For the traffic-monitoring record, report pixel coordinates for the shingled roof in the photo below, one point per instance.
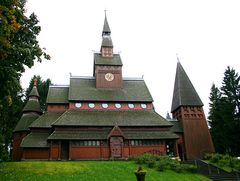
(177, 127)
(57, 94)
(46, 120)
(32, 106)
(78, 135)
(34, 92)
(82, 89)
(184, 93)
(35, 140)
(101, 135)
(75, 117)
(106, 28)
(150, 135)
(100, 60)
(25, 121)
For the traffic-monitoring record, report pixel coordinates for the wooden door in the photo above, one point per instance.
(64, 150)
(116, 147)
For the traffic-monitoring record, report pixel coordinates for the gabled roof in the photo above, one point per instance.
(35, 140)
(32, 106)
(25, 121)
(57, 95)
(184, 93)
(100, 60)
(74, 117)
(46, 120)
(34, 92)
(82, 89)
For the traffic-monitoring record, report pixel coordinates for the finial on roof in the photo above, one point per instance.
(177, 58)
(35, 82)
(168, 116)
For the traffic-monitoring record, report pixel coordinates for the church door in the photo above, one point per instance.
(64, 150)
(116, 147)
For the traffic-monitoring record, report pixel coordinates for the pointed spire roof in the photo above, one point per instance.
(106, 28)
(184, 94)
(33, 103)
(34, 91)
(106, 38)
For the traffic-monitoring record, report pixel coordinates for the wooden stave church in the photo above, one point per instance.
(107, 116)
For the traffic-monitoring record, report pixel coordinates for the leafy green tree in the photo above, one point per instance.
(224, 114)
(19, 48)
(42, 86)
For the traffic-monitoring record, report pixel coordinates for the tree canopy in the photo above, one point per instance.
(224, 114)
(19, 48)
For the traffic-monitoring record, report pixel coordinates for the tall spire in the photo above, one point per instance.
(106, 28)
(107, 45)
(184, 93)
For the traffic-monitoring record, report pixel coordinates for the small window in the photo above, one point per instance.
(78, 105)
(131, 106)
(91, 105)
(118, 106)
(105, 106)
(132, 142)
(144, 106)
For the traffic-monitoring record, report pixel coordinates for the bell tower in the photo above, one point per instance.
(187, 108)
(107, 65)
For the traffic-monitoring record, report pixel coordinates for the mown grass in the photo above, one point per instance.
(85, 171)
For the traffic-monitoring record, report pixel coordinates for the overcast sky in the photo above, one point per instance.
(148, 34)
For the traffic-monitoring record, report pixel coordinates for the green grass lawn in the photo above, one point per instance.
(85, 171)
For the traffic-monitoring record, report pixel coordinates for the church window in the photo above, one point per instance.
(132, 142)
(91, 105)
(131, 106)
(144, 106)
(118, 105)
(78, 105)
(105, 105)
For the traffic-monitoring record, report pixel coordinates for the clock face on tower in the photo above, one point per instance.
(109, 76)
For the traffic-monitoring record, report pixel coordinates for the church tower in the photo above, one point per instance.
(187, 108)
(107, 65)
(31, 112)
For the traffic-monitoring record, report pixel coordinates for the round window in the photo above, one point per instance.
(131, 106)
(105, 105)
(144, 106)
(91, 105)
(118, 105)
(78, 105)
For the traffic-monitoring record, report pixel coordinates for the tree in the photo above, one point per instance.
(19, 48)
(224, 114)
(42, 86)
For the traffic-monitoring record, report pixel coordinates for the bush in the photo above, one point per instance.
(162, 163)
(223, 161)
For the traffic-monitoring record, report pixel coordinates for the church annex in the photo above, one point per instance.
(108, 116)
